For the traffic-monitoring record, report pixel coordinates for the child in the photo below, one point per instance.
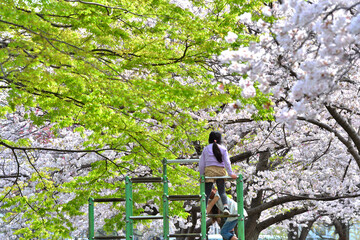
(227, 230)
(213, 162)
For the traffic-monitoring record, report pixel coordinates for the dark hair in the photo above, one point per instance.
(215, 139)
(215, 210)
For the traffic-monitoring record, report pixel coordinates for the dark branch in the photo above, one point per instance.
(281, 217)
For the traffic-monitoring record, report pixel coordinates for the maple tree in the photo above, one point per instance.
(96, 91)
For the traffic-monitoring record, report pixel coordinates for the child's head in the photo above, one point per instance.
(215, 137)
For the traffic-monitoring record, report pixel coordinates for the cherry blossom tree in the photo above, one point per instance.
(308, 60)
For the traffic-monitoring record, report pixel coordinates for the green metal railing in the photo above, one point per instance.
(203, 207)
(91, 217)
(240, 202)
(129, 218)
(129, 228)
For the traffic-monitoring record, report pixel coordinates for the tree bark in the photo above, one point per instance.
(305, 231)
(342, 229)
(293, 232)
(252, 230)
(253, 236)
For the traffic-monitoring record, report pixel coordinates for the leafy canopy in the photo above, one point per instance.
(126, 74)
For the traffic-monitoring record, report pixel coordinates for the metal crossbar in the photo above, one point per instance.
(109, 199)
(146, 179)
(182, 160)
(145, 217)
(222, 177)
(222, 215)
(185, 235)
(183, 197)
(110, 237)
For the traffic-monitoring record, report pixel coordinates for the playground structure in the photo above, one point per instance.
(129, 218)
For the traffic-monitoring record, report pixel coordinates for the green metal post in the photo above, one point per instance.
(203, 207)
(128, 209)
(91, 219)
(164, 161)
(165, 202)
(240, 205)
(166, 209)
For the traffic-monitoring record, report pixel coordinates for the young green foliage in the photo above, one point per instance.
(128, 72)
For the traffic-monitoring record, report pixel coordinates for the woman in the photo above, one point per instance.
(214, 161)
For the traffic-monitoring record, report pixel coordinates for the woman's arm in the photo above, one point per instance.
(227, 163)
(211, 204)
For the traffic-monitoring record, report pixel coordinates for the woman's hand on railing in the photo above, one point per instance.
(233, 176)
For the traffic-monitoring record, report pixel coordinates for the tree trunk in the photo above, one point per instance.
(305, 231)
(293, 232)
(252, 231)
(254, 235)
(342, 229)
(251, 228)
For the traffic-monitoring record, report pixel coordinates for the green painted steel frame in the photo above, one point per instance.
(203, 207)
(165, 202)
(91, 219)
(128, 209)
(129, 206)
(240, 205)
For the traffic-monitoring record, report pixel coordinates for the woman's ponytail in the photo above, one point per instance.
(215, 139)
